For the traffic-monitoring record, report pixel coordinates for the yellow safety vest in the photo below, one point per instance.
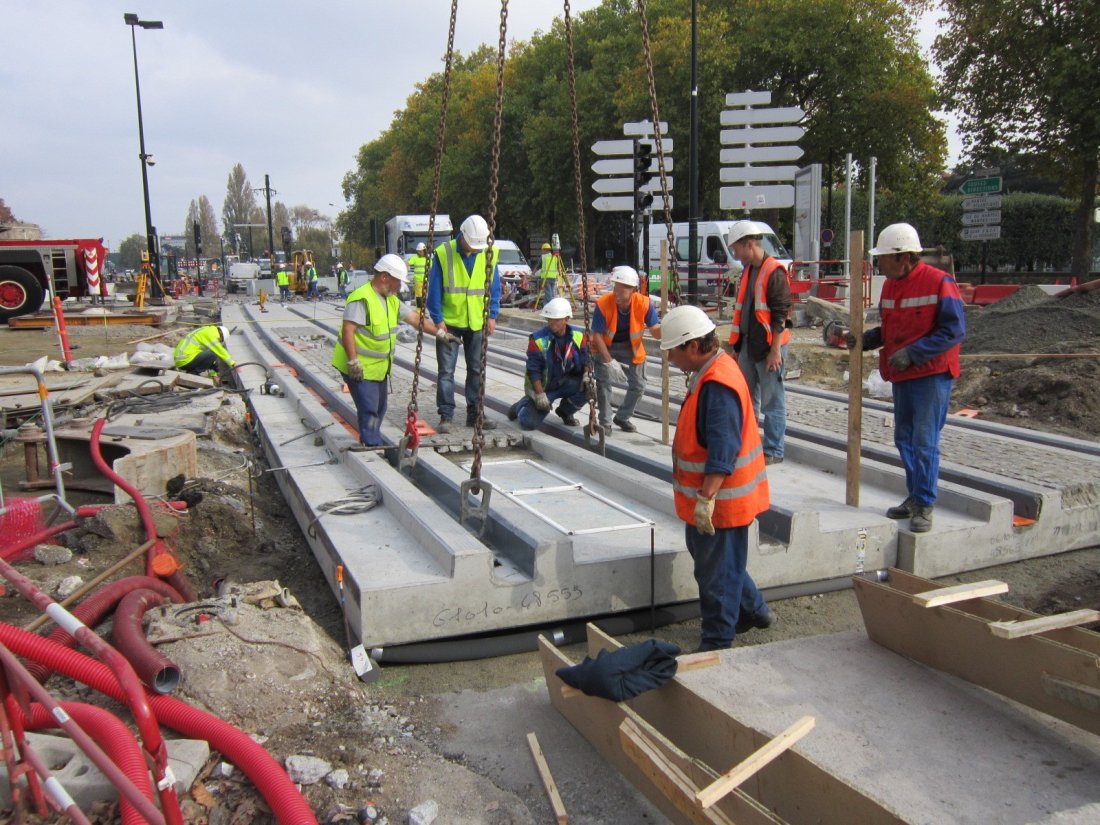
(550, 267)
(418, 266)
(203, 338)
(464, 292)
(374, 342)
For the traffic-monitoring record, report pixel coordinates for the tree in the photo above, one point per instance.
(129, 252)
(202, 212)
(239, 205)
(1023, 77)
(6, 215)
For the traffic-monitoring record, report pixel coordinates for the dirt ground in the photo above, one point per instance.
(281, 673)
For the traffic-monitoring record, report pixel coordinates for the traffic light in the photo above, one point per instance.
(198, 239)
(643, 174)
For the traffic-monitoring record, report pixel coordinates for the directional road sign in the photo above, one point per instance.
(744, 117)
(984, 218)
(760, 154)
(625, 203)
(736, 174)
(767, 134)
(748, 98)
(643, 128)
(981, 186)
(613, 186)
(983, 202)
(775, 196)
(626, 146)
(980, 233)
(625, 166)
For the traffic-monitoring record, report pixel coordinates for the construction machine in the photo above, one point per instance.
(299, 284)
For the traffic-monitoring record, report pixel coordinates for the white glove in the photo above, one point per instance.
(355, 370)
(542, 402)
(704, 510)
(616, 371)
(446, 337)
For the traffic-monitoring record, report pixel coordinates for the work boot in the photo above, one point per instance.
(626, 425)
(773, 459)
(761, 620)
(921, 520)
(903, 510)
(444, 426)
(607, 429)
(513, 411)
(566, 418)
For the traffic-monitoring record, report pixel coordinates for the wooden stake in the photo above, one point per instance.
(664, 355)
(547, 780)
(959, 593)
(769, 753)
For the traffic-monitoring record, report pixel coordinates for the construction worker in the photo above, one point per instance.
(549, 272)
(342, 280)
(760, 331)
(282, 279)
(203, 350)
(457, 283)
(309, 271)
(369, 330)
(719, 481)
(418, 268)
(620, 318)
(923, 327)
(556, 357)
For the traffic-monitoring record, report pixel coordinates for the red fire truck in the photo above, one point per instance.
(31, 270)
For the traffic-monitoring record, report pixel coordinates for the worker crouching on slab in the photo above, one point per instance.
(923, 326)
(203, 350)
(369, 330)
(556, 358)
(719, 480)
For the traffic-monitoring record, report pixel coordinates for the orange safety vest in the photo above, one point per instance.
(761, 309)
(744, 493)
(639, 306)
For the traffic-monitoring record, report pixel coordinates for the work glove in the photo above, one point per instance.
(704, 510)
(616, 371)
(542, 402)
(446, 337)
(850, 340)
(900, 360)
(355, 371)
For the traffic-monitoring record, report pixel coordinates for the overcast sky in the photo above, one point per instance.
(287, 89)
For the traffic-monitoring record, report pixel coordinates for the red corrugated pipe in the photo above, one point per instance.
(156, 670)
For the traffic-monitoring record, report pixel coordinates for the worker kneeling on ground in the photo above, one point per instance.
(620, 319)
(369, 330)
(203, 350)
(719, 481)
(557, 355)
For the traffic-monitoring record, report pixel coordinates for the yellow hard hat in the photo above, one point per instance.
(546, 247)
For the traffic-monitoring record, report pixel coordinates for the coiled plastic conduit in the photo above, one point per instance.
(155, 670)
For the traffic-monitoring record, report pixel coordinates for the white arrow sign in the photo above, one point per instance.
(759, 154)
(986, 218)
(767, 134)
(981, 233)
(748, 98)
(613, 186)
(744, 117)
(643, 128)
(625, 203)
(626, 147)
(983, 202)
(625, 166)
(776, 196)
(736, 174)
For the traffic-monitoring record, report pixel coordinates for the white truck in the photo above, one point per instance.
(404, 232)
(240, 274)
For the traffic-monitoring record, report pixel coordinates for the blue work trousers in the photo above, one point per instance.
(549, 290)
(572, 399)
(635, 386)
(371, 400)
(920, 411)
(725, 586)
(446, 356)
(768, 397)
(284, 292)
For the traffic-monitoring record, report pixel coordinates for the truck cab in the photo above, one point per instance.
(404, 232)
(31, 269)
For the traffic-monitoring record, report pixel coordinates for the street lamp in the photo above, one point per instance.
(155, 290)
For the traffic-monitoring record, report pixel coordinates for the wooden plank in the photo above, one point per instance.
(1081, 695)
(735, 776)
(1044, 624)
(959, 593)
(794, 789)
(959, 642)
(547, 780)
(666, 776)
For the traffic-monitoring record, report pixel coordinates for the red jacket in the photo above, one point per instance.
(913, 311)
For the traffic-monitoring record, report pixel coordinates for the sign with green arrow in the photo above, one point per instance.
(981, 186)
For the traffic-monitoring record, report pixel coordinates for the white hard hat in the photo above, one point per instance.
(393, 265)
(744, 229)
(557, 308)
(420, 247)
(682, 324)
(625, 275)
(225, 333)
(897, 237)
(476, 232)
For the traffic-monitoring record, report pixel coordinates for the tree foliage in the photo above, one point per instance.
(1023, 77)
(239, 204)
(129, 252)
(202, 212)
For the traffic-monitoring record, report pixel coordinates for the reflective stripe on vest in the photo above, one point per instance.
(639, 307)
(909, 308)
(463, 291)
(374, 341)
(203, 338)
(744, 493)
(549, 266)
(418, 268)
(543, 342)
(761, 310)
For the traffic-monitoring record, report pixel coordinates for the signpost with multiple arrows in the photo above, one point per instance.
(981, 217)
(758, 144)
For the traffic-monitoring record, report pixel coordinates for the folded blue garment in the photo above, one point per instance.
(624, 673)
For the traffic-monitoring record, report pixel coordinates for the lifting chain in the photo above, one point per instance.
(592, 427)
(411, 439)
(674, 287)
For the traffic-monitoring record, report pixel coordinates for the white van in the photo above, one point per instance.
(717, 263)
(514, 268)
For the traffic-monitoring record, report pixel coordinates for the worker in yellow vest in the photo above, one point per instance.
(418, 268)
(282, 279)
(203, 350)
(549, 272)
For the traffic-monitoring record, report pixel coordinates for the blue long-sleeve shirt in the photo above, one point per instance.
(561, 359)
(718, 423)
(435, 286)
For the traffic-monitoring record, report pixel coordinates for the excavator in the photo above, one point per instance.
(299, 284)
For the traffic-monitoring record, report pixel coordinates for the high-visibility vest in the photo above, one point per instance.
(342, 276)
(418, 268)
(282, 278)
(550, 266)
(744, 493)
(759, 301)
(375, 341)
(908, 308)
(311, 273)
(203, 338)
(639, 308)
(543, 340)
(464, 292)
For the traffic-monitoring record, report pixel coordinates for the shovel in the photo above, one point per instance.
(365, 667)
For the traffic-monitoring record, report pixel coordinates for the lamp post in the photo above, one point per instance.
(156, 289)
